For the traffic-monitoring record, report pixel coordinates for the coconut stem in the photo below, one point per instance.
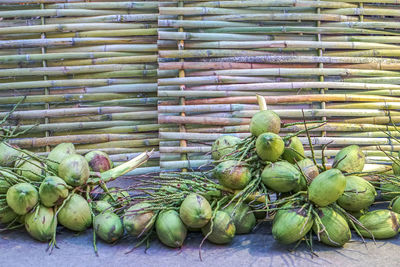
(122, 169)
(261, 102)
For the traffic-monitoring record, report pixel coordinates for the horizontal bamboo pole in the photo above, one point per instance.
(273, 3)
(106, 18)
(364, 11)
(107, 5)
(362, 38)
(67, 112)
(73, 41)
(64, 70)
(59, 12)
(77, 139)
(296, 99)
(124, 143)
(291, 44)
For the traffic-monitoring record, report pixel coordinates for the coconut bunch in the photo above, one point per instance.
(303, 197)
(40, 193)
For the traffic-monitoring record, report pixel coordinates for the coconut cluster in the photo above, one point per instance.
(41, 193)
(305, 196)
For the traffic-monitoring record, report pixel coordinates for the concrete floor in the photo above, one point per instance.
(257, 249)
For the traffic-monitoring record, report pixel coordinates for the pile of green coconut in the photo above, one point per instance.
(267, 179)
(63, 189)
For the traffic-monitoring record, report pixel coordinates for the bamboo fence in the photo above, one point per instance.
(126, 76)
(336, 61)
(87, 71)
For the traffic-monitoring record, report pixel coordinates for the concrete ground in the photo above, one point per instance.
(257, 249)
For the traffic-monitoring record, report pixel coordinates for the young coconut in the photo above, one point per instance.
(74, 169)
(233, 175)
(8, 155)
(327, 187)
(395, 206)
(242, 217)
(359, 194)
(389, 190)
(98, 161)
(223, 229)
(381, 224)
(30, 169)
(291, 224)
(349, 159)
(265, 121)
(170, 229)
(101, 206)
(308, 168)
(52, 191)
(22, 197)
(7, 215)
(269, 146)
(108, 226)
(41, 224)
(5, 178)
(195, 211)
(58, 154)
(75, 215)
(223, 146)
(281, 176)
(136, 221)
(334, 230)
(294, 150)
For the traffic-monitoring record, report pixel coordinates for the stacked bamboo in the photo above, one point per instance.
(336, 61)
(87, 71)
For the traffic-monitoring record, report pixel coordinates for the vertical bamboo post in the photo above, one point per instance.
(182, 128)
(45, 77)
(321, 77)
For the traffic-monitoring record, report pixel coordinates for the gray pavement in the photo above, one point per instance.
(257, 249)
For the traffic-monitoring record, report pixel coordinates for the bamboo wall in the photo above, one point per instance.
(88, 70)
(93, 73)
(336, 60)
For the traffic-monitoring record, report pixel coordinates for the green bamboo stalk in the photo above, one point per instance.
(362, 38)
(377, 11)
(106, 18)
(106, 5)
(107, 48)
(126, 143)
(364, 25)
(59, 12)
(273, 3)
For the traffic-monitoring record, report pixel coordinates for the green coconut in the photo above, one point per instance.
(116, 194)
(327, 187)
(396, 168)
(5, 181)
(8, 155)
(75, 215)
(381, 224)
(7, 215)
(294, 150)
(170, 229)
(41, 225)
(396, 205)
(137, 220)
(108, 227)
(223, 229)
(269, 146)
(281, 176)
(265, 121)
(99, 161)
(336, 230)
(308, 168)
(195, 211)
(58, 154)
(224, 145)
(52, 191)
(231, 174)
(74, 169)
(349, 159)
(359, 194)
(242, 216)
(100, 206)
(22, 197)
(291, 224)
(30, 169)
(389, 190)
